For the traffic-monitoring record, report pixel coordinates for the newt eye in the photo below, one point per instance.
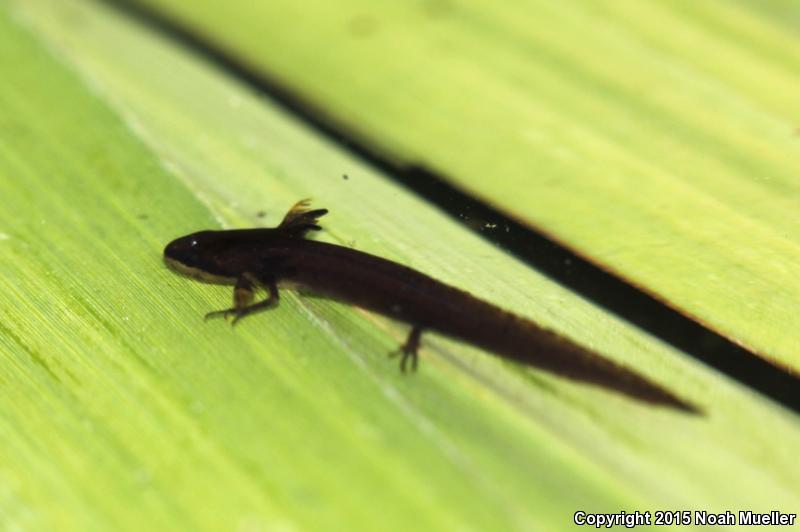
(193, 243)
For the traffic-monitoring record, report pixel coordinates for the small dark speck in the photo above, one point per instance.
(261, 214)
(142, 216)
(345, 177)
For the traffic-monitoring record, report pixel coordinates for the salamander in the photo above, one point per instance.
(264, 258)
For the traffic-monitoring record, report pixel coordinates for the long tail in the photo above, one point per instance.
(519, 339)
(563, 357)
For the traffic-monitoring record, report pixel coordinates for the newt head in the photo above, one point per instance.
(223, 256)
(196, 255)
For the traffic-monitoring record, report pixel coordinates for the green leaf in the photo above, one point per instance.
(121, 409)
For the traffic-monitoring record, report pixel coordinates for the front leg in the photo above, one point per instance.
(243, 298)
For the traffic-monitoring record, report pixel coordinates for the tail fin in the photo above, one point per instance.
(603, 372)
(551, 352)
(532, 345)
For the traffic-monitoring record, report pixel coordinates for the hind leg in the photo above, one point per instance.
(408, 350)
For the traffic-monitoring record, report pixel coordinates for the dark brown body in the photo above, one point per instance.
(267, 257)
